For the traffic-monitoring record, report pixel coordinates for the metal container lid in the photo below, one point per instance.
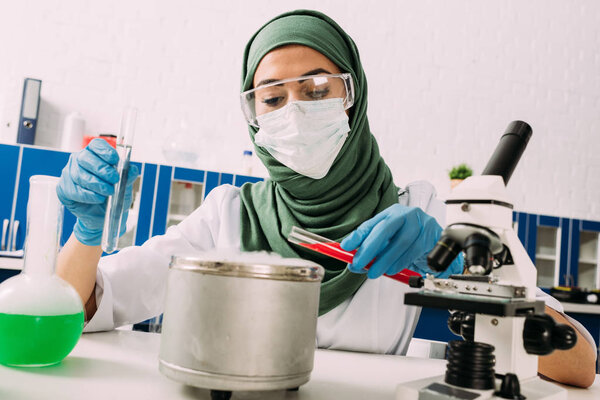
(260, 265)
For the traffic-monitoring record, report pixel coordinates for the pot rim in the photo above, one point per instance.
(307, 272)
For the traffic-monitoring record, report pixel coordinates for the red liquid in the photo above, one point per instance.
(333, 249)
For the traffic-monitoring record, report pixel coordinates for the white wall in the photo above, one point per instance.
(445, 78)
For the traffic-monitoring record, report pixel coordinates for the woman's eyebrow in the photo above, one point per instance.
(316, 71)
(311, 72)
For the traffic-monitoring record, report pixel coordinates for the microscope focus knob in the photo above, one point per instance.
(541, 335)
(563, 337)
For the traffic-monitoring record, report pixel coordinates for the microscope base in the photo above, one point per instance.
(435, 388)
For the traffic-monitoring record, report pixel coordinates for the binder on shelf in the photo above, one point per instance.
(30, 105)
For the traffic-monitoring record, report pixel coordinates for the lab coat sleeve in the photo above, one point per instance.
(131, 285)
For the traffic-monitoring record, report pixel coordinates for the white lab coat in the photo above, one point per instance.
(131, 285)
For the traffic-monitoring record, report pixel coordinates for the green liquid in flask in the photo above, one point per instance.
(30, 340)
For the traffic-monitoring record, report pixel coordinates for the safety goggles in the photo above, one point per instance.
(274, 95)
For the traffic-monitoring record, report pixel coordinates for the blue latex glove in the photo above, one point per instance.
(398, 237)
(86, 182)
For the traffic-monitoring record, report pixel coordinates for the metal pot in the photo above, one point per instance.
(236, 324)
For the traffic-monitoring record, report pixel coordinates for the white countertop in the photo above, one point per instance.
(6, 262)
(123, 365)
(581, 308)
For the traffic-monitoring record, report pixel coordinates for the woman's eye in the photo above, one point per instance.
(318, 94)
(272, 101)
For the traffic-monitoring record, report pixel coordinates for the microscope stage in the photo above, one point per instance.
(502, 307)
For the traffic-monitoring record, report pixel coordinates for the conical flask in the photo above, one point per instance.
(41, 315)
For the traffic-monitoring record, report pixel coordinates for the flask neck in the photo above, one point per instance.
(44, 226)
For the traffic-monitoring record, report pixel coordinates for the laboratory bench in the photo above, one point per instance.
(566, 251)
(124, 365)
(580, 308)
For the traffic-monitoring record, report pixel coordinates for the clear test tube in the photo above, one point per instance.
(319, 244)
(333, 249)
(116, 203)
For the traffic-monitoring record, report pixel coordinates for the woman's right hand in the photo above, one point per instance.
(86, 182)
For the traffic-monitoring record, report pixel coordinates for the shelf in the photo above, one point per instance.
(11, 263)
(177, 217)
(12, 254)
(545, 257)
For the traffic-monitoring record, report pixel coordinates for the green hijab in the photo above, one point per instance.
(358, 185)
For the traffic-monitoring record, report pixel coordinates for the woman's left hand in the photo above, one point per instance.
(398, 237)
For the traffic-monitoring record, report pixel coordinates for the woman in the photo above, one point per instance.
(305, 99)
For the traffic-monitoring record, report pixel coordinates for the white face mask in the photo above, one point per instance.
(305, 136)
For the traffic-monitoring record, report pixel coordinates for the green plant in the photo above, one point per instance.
(460, 171)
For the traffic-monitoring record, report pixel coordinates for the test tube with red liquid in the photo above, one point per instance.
(333, 249)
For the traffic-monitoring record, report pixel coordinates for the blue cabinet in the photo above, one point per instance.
(565, 251)
(585, 256)
(184, 191)
(161, 203)
(155, 193)
(36, 161)
(18, 164)
(9, 159)
(181, 190)
(544, 245)
(169, 194)
(146, 205)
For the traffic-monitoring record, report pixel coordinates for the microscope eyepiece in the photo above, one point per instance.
(509, 150)
(442, 255)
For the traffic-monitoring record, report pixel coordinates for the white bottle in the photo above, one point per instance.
(73, 130)
(247, 163)
(187, 199)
